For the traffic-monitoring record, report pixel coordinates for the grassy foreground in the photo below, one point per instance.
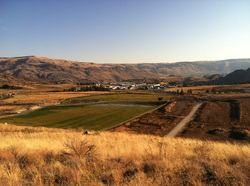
(85, 116)
(41, 156)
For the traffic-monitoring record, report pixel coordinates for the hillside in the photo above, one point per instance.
(67, 71)
(20, 81)
(57, 70)
(41, 156)
(237, 76)
(199, 68)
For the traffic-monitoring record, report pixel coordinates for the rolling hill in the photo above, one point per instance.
(237, 76)
(195, 69)
(58, 70)
(34, 67)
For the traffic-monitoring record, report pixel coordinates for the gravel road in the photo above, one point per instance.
(183, 122)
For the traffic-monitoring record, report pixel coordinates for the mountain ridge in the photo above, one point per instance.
(60, 70)
(237, 76)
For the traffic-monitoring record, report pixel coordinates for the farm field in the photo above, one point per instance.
(124, 97)
(78, 116)
(74, 116)
(221, 90)
(45, 98)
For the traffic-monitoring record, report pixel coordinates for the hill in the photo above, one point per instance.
(20, 81)
(199, 68)
(66, 71)
(237, 76)
(40, 156)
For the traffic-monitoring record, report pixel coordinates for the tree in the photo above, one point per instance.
(160, 98)
(5, 86)
(172, 83)
(181, 93)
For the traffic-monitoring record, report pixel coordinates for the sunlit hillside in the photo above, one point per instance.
(42, 156)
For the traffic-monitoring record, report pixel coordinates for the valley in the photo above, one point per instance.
(222, 116)
(124, 93)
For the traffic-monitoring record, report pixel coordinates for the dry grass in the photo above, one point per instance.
(193, 88)
(41, 156)
(231, 95)
(8, 108)
(46, 98)
(219, 88)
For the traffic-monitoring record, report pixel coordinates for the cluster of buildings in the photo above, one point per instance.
(134, 86)
(8, 95)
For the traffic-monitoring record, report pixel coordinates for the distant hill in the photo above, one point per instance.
(237, 76)
(195, 69)
(59, 70)
(68, 71)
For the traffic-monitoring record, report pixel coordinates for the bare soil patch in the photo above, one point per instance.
(221, 121)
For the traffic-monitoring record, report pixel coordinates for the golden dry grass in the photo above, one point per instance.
(226, 95)
(11, 108)
(192, 88)
(41, 156)
(46, 98)
(220, 89)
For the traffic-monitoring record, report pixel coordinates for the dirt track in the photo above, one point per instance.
(183, 122)
(221, 120)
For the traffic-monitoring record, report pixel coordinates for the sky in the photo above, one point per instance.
(126, 31)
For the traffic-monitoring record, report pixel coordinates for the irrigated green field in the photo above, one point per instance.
(127, 97)
(85, 116)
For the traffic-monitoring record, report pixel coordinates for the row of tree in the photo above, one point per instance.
(6, 86)
(88, 88)
(189, 91)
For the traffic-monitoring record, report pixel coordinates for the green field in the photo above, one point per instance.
(75, 116)
(123, 97)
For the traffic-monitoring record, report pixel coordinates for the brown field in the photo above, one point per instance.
(11, 108)
(232, 95)
(46, 98)
(31, 96)
(41, 156)
(221, 90)
(195, 89)
(221, 120)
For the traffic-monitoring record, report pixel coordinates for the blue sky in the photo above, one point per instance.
(126, 31)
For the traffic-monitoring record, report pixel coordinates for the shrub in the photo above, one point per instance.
(5, 86)
(160, 98)
(80, 148)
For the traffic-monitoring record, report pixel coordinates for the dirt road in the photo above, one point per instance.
(183, 122)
